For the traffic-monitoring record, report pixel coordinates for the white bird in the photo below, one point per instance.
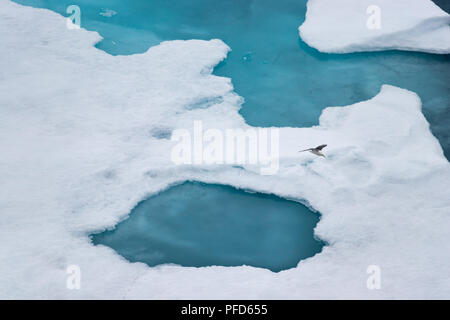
(316, 150)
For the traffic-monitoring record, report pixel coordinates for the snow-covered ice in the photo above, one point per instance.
(79, 151)
(348, 26)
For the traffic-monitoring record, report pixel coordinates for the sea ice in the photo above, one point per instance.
(371, 25)
(78, 152)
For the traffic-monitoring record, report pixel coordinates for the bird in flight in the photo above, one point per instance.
(316, 150)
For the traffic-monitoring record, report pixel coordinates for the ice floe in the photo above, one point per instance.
(84, 138)
(371, 25)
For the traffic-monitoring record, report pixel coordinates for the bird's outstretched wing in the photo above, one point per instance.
(321, 147)
(310, 149)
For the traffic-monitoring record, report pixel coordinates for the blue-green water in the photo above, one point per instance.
(284, 83)
(194, 224)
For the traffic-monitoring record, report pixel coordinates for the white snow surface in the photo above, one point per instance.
(78, 152)
(340, 26)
